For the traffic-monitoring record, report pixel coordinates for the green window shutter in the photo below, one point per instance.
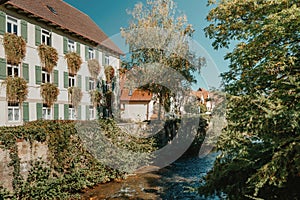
(87, 112)
(56, 111)
(55, 73)
(37, 35)
(26, 72)
(65, 45)
(2, 22)
(79, 84)
(39, 110)
(97, 55)
(66, 111)
(79, 113)
(24, 32)
(78, 48)
(25, 111)
(103, 59)
(38, 75)
(86, 53)
(87, 83)
(66, 79)
(2, 68)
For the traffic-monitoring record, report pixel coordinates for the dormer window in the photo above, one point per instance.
(12, 25)
(52, 9)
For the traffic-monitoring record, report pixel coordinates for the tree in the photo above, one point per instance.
(158, 34)
(260, 146)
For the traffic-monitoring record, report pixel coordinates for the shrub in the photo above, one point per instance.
(16, 89)
(96, 97)
(109, 73)
(94, 68)
(75, 95)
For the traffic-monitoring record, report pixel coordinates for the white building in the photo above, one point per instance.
(65, 28)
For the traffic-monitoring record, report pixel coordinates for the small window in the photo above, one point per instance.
(13, 70)
(46, 112)
(46, 37)
(91, 84)
(12, 25)
(71, 80)
(72, 115)
(92, 112)
(13, 112)
(123, 106)
(106, 61)
(130, 93)
(71, 46)
(91, 53)
(52, 9)
(46, 77)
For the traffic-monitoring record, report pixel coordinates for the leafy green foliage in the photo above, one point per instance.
(70, 168)
(260, 146)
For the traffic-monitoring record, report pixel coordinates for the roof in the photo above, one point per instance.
(200, 93)
(59, 13)
(138, 95)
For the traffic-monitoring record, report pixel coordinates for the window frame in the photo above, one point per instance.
(106, 60)
(44, 75)
(8, 65)
(15, 110)
(47, 34)
(73, 79)
(91, 53)
(92, 112)
(48, 110)
(91, 84)
(13, 21)
(71, 43)
(72, 112)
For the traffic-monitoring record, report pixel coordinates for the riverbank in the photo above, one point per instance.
(177, 181)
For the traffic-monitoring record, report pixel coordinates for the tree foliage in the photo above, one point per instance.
(260, 146)
(158, 34)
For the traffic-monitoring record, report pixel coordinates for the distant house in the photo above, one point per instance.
(203, 97)
(63, 27)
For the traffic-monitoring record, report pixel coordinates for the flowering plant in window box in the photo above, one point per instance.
(16, 89)
(48, 56)
(15, 48)
(75, 95)
(74, 62)
(49, 93)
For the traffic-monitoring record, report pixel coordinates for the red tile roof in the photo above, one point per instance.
(137, 95)
(67, 17)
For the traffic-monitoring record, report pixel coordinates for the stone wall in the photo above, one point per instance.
(27, 152)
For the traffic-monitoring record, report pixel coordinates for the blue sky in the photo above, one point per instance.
(110, 15)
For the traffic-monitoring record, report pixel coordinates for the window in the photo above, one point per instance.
(130, 92)
(46, 37)
(91, 53)
(13, 112)
(92, 112)
(13, 70)
(46, 112)
(71, 80)
(123, 106)
(71, 46)
(12, 25)
(91, 84)
(71, 112)
(106, 61)
(45, 76)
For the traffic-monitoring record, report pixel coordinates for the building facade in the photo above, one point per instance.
(63, 27)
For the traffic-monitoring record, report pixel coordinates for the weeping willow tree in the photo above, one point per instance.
(157, 34)
(261, 145)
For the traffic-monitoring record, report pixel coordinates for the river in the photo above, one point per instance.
(176, 181)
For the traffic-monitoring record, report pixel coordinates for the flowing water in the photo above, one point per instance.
(177, 181)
